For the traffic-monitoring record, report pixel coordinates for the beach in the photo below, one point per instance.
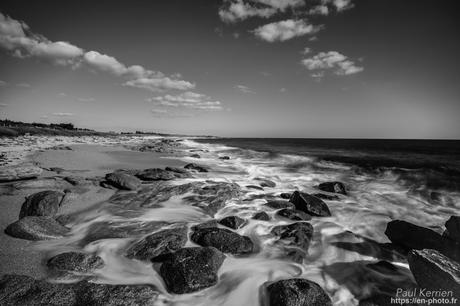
(240, 203)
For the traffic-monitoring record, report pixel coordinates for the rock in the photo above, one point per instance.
(254, 187)
(434, 271)
(295, 254)
(224, 157)
(195, 156)
(224, 240)
(265, 182)
(75, 262)
(309, 204)
(297, 234)
(234, 222)
(44, 203)
(19, 172)
(335, 187)
(191, 269)
(50, 183)
(179, 172)
(207, 224)
(196, 167)
(77, 180)
(123, 180)
(285, 195)
(293, 214)
(296, 292)
(36, 228)
(277, 204)
(159, 243)
(326, 196)
(155, 174)
(261, 216)
(58, 170)
(24, 290)
(453, 228)
(411, 236)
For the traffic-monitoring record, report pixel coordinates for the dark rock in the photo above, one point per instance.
(195, 156)
(123, 180)
(411, 236)
(234, 222)
(57, 170)
(196, 167)
(261, 216)
(296, 292)
(434, 271)
(224, 240)
(277, 204)
(254, 187)
(213, 196)
(297, 234)
(24, 290)
(453, 228)
(224, 157)
(191, 269)
(49, 183)
(295, 254)
(335, 187)
(36, 228)
(44, 203)
(285, 195)
(77, 180)
(208, 224)
(19, 172)
(155, 174)
(309, 204)
(76, 262)
(179, 172)
(265, 182)
(326, 196)
(159, 243)
(293, 214)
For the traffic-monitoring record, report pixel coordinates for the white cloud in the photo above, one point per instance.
(306, 51)
(332, 60)
(244, 89)
(3, 83)
(188, 99)
(285, 30)
(24, 85)
(86, 99)
(3, 105)
(16, 38)
(62, 114)
(319, 10)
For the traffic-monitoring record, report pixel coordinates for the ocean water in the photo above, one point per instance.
(416, 181)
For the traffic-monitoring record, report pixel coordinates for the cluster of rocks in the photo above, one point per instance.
(164, 145)
(434, 259)
(19, 172)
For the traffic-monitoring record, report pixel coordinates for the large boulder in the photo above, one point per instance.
(453, 228)
(24, 290)
(296, 234)
(309, 204)
(334, 187)
(433, 271)
(19, 172)
(75, 262)
(224, 240)
(278, 204)
(234, 222)
(296, 292)
(155, 174)
(36, 228)
(293, 214)
(191, 269)
(44, 203)
(410, 236)
(159, 243)
(123, 180)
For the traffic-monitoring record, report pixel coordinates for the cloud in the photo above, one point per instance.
(319, 10)
(189, 100)
(332, 60)
(3, 105)
(3, 83)
(62, 114)
(24, 85)
(340, 5)
(17, 39)
(244, 89)
(285, 30)
(86, 99)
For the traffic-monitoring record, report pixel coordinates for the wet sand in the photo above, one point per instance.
(21, 256)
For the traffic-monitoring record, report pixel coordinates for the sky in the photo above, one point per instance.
(237, 68)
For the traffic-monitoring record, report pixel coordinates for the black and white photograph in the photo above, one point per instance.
(229, 152)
